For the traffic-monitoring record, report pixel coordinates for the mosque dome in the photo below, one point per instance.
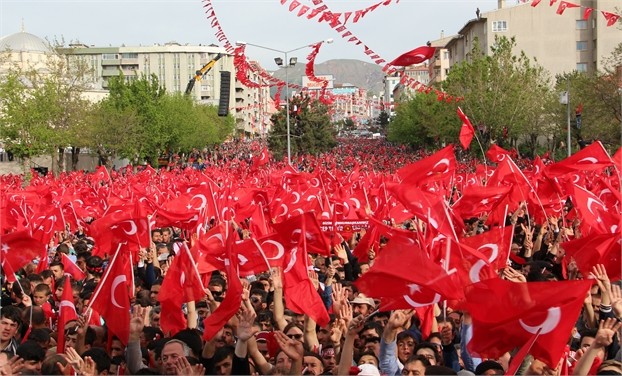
(23, 42)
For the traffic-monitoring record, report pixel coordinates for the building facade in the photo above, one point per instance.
(559, 43)
(172, 63)
(253, 106)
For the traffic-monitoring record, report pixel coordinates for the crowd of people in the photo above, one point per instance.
(267, 337)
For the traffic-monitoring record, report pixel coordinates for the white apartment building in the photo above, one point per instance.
(175, 65)
(559, 43)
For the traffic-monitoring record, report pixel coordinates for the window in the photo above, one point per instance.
(498, 26)
(581, 45)
(129, 56)
(581, 24)
(445, 55)
(110, 56)
(581, 67)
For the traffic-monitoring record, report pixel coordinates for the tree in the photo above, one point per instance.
(383, 120)
(140, 121)
(42, 107)
(599, 98)
(504, 94)
(311, 131)
(423, 121)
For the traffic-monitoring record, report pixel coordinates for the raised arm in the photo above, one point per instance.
(279, 308)
(604, 337)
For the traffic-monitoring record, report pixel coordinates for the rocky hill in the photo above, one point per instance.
(355, 72)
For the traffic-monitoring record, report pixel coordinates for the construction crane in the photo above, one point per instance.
(200, 73)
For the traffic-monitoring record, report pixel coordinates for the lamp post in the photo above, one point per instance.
(285, 63)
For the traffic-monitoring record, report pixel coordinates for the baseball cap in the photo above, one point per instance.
(362, 299)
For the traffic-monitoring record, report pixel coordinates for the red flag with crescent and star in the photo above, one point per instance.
(466, 131)
(416, 56)
(66, 313)
(507, 313)
(111, 298)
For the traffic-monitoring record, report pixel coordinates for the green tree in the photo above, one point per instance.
(43, 107)
(598, 94)
(502, 92)
(423, 121)
(140, 121)
(311, 131)
(383, 121)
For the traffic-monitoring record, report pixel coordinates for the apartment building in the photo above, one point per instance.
(175, 65)
(253, 106)
(559, 43)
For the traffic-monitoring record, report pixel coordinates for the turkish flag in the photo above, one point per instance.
(261, 160)
(251, 258)
(121, 224)
(481, 256)
(100, 175)
(477, 200)
(111, 298)
(44, 225)
(291, 232)
(562, 7)
(496, 153)
(611, 18)
(233, 298)
(466, 131)
(416, 56)
(181, 284)
(18, 249)
(591, 158)
(437, 166)
(66, 313)
(594, 213)
(596, 249)
(393, 277)
(71, 268)
(370, 240)
(300, 294)
(507, 313)
(425, 206)
(186, 211)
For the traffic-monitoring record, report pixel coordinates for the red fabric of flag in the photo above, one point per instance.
(565, 4)
(466, 131)
(596, 249)
(18, 249)
(181, 284)
(233, 298)
(71, 268)
(496, 153)
(393, 280)
(416, 56)
(437, 166)
(111, 298)
(506, 314)
(66, 313)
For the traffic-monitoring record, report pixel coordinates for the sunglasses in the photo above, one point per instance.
(216, 293)
(297, 337)
(255, 300)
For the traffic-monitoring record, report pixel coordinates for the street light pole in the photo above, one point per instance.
(289, 143)
(568, 118)
(286, 64)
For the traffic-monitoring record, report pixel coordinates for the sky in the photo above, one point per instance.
(389, 30)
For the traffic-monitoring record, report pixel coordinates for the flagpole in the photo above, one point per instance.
(105, 277)
(484, 157)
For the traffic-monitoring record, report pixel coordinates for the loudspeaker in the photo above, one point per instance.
(225, 87)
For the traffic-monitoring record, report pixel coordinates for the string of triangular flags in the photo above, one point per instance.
(215, 24)
(328, 15)
(611, 18)
(332, 18)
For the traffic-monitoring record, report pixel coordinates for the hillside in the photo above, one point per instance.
(355, 72)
